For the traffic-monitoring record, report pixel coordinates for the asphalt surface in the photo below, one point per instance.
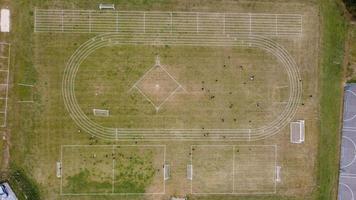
(347, 181)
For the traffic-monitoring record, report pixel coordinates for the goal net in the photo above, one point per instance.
(297, 131)
(278, 173)
(100, 112)
(167, 172)
(190, 172)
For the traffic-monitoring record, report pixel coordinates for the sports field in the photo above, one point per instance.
(166, 98)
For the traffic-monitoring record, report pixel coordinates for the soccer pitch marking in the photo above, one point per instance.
(94, 21)
(233, 171)
(6, 56)
(248, 41)
(113, 170)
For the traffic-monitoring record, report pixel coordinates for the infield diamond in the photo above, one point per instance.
(157, 85)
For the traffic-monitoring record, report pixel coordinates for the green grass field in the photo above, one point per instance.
(216, 91)
(39, 129)
(333, 39)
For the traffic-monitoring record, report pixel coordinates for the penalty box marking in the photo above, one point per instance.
(233, 170)
(113, 170)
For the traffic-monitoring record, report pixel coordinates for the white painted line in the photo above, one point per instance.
(7, 85)
(233, 169)
(62, 22)
(233, 174)
(193, 134)
(61, 186)
(197, 21)
(89, 21)
(35, 25)
(144, 22)
(250, 23)
(25, 101)
(23, 84)
(113, 170)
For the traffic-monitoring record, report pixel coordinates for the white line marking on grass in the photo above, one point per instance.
(191, 162)
(89, 21)
(234, 165)
(233, 169)
(139, 80)
(276, 24)
(250, 21)
(61, 185)
(189, 134)
(62, 16)
(25, 101)
(144, 22)
(301, 24)
(148, 99)
(197, 21)
(112, 193)
(171, 22)
(275, 164)
(23, 84)
(172, 78)
(117, 22)
(169, 96)
(290, 24)
(7, 84)
(35, 25)
(164, 162)
(113, 170)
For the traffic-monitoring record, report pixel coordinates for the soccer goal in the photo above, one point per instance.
(101, 113)
(190, 172)
(167, 172)
(297, 132)
(59, 169)
(278, 173)
(108, 6)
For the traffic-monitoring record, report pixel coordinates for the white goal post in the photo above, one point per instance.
(101, 112)
(190, 172)
(297, 132)
(167, 172)
(59, 169)
(106, 6)
(278, 173)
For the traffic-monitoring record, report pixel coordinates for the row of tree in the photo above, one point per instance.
(351, 7)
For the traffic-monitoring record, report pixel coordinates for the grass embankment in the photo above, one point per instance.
(22, 70)
(334, 28)
(24, 187)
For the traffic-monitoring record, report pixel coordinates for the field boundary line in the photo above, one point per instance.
(274, 163)
(112, 147)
